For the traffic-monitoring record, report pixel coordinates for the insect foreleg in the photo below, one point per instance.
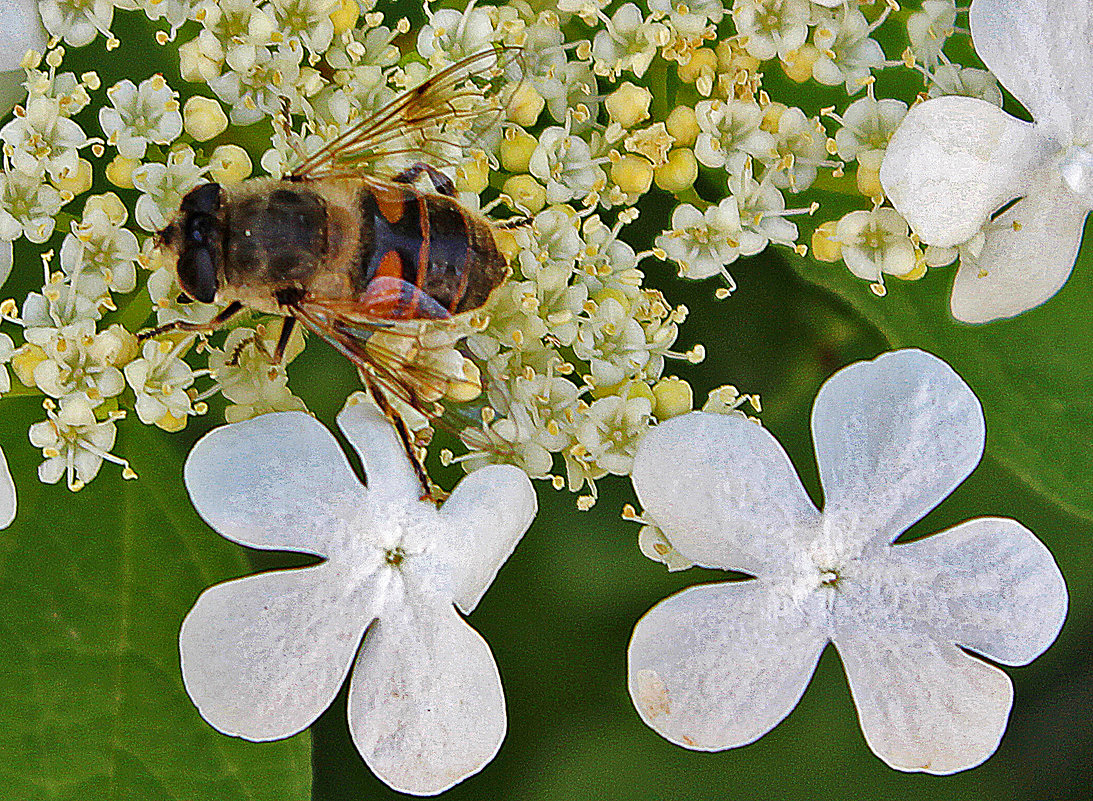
(441, 182)
(287, 325)
(225, 314)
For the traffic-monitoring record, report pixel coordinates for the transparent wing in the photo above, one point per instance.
(423, 121)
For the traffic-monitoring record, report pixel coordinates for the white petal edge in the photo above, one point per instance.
(723, 491)
(893, 438)
(387, 469)
(955, 160)
(717, 666)
(277, 481)
(995, 588)
(923, 705)
(426, 708)
(485, 517)
(1021, 268)
(1040, 51)
(7, 493)
(263, 656)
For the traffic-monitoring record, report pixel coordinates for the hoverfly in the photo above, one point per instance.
(384, 271)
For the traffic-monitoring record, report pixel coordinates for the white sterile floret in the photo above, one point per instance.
(718, 665)
(771, 27)
(7, 493)
(22, 32)
(139, 115)
(956, 160)
(702, 244)
(263, 656)
(875, 243)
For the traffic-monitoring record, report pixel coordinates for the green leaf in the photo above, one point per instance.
(93, 587)
(1032, 373)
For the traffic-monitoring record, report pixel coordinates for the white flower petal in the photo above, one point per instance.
(6, 260)
(995, 588)
(484, 518)
(426, 709)
(264, 655)
(723, 492)
(923, 705)
(7, 493)
(719, 665)
(1041, 52)
(278, 481)
(1021, 267)
(386, 468)
(893, 438)
(953, 161)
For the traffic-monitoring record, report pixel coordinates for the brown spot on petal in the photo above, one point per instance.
(652, 693)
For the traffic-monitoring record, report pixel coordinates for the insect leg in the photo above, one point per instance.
(225, 314)
(404, 433)
(287, 324)
(513, 222)
(441, 182)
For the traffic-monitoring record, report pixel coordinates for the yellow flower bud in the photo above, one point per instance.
(679, 172)
(529, 194)
(916, 272)
(771, 114)
(628, 105)
(195, 66)
(633, 174)
(703, 62)
(473, 175)
(674, 397)
(119, 172)
(229, 164)
(614, 294)
(345, 16)
(516, 149)
(526, 105)
(172, 424)
(203, 118)
(683, 125)
(23, 362)
(798, 63)
(868, 177)
(78, 182)
(824, 245)
(507, 243)
(110, 204)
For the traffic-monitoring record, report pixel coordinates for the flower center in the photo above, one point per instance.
(1077, 171)
(394, 556)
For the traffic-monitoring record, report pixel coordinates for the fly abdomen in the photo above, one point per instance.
(446, 258)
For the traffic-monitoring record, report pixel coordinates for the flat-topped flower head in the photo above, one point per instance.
(264, 655)
(718, 665)
(955, 161)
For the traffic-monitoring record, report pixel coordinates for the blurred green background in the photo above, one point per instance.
(93, 586)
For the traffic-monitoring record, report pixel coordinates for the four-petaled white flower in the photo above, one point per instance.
(718, 665)
(264, 655)
(955, 161)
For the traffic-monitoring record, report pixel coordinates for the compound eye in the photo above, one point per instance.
(197, 274)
